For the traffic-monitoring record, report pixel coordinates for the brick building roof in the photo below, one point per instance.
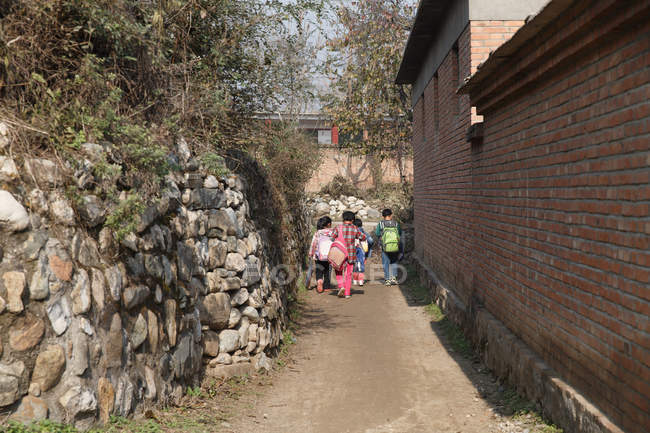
(428, 18)
(503, 54)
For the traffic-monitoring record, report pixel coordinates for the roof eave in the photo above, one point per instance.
(534, 24)
(428, 14)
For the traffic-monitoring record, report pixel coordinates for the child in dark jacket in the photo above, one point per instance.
(321, 241)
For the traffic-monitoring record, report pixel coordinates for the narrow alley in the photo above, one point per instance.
(376, 363)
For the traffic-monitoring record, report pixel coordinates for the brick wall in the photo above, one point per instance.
(356, 169)
(487, 36)
(442, 176)
(418, 121)
(442, 173)
(547, 223)
(562, 203)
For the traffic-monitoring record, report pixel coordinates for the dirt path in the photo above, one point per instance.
(383, 361)
(372, 363)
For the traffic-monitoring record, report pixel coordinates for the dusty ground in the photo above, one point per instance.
(377, 363)
(382, 361)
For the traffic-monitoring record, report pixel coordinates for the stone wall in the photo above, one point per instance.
(334, 207)
(93, 327)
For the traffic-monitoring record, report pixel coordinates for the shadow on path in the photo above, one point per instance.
(312, 317)
(501, 398)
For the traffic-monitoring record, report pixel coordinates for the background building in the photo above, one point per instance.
(336, 160)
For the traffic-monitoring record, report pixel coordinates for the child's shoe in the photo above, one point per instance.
(361, 282)
(319, 286)
(347, 296)
(341, 292)
(388, 282)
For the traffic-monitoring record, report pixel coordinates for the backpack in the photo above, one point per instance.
(324, 245)
(338, 253)
(389, 236)
(364, 245)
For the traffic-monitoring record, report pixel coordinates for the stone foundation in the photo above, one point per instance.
(510, 359)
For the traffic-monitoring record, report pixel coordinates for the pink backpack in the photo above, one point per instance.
(338, 253)
(324, 245)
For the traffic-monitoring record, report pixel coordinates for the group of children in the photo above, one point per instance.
(359, 245)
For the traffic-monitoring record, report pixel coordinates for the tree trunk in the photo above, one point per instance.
(376, 170)
(400, 163)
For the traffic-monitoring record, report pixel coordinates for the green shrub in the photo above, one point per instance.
(137, 75)
(45, 426)
(194, 392)
(291, 158)
(340, 185)
(124, 218)
(214, 164)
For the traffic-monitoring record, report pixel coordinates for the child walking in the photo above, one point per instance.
(348, 233)
(364, 249)
(320, 244)
(389, 233)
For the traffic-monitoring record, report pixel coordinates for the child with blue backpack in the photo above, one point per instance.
(320, 246)
(364, 249)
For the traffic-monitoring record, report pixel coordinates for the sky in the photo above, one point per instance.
(318, 31)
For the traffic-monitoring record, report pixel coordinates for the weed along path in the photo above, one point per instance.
(376, 363)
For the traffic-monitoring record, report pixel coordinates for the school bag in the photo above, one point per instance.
(364, 246)
(389, 236)
(359, 264)
(324, 245)
(338, 253)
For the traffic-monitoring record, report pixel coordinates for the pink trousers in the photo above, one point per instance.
(344, 278)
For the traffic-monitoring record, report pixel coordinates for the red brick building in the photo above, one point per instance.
(449, 39)
(539, 225)
(357, 168)
(337, 160)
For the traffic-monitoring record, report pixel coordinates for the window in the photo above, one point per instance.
(455, 81)
(325, 136)
(423, 118)
(436, 106)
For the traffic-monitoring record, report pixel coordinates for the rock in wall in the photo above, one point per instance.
(90, 327)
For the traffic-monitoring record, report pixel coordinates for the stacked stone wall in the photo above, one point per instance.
(92, 327)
